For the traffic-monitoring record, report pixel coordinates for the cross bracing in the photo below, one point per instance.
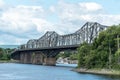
(86, 33)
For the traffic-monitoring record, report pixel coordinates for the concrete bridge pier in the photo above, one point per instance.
(25, 58)
(22, 57)
(31, 58)
(49, 61)
(39, 57)
(50, 57)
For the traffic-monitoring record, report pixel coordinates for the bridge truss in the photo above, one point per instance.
(86, 33)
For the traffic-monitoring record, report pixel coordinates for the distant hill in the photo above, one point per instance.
(9, 46)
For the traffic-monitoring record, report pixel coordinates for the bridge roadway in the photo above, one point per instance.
(44, 49)
(71, 47)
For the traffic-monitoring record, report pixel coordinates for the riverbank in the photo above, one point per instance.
(8, 61)
(98, 71)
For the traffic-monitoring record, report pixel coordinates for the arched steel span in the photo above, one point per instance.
(86, 33)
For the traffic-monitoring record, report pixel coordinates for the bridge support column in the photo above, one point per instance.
(46, 57)
(49, 57)
(25, 58)
(22, 58)
(37, 58)
(49, 61)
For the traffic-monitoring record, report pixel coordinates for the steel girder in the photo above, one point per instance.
(86, 33)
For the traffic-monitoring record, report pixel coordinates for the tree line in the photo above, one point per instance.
(103, 52)
(5, 53)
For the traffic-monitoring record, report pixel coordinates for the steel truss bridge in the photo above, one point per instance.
(51, 43)
(86, 33)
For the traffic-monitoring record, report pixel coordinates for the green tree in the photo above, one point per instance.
(103, 52)
(83, 53)
(5, 54)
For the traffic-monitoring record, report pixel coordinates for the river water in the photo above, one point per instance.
(12, 71)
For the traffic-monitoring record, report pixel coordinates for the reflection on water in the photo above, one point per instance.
(11, 71)
(66, 65)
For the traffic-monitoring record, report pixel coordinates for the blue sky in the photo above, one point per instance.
(21, 20)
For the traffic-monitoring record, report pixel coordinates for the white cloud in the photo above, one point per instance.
(72, 11)
(21, 23)
(90, 6)
(23, 13)
(9, 39)
(20, 19)
(1, 3)
(83, 12)
(42, 25)
(52, 9)
(100, 18)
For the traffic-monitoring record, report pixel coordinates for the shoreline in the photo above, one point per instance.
(8, 61)
(98, 71)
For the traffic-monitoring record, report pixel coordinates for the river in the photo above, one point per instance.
(13, 71)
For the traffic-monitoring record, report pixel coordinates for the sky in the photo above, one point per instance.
(21, 20)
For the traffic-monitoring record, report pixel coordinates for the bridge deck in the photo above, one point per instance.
(47, 48)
